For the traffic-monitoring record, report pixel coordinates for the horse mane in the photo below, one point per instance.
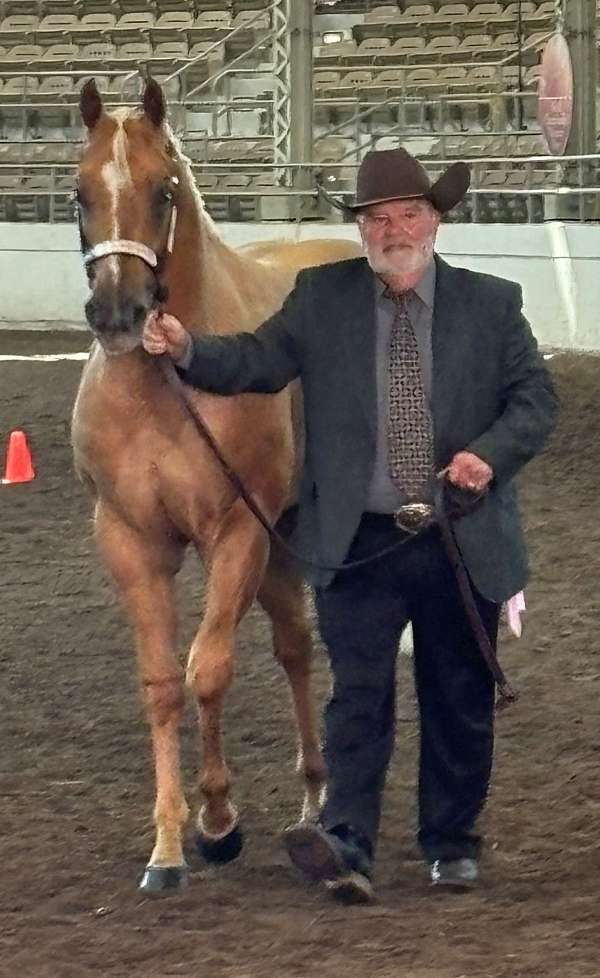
(176, 146)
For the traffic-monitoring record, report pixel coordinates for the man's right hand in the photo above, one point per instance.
(165, 334)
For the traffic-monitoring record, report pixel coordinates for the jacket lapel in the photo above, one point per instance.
(358, 330)
(447, 342)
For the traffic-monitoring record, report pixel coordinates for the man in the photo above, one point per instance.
(411, 370)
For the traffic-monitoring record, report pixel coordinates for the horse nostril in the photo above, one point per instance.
(91, 311)
(138, 313)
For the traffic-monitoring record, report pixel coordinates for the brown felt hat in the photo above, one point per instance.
(394, 174)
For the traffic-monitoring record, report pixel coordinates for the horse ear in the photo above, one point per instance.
(90, 104)
(155, 104)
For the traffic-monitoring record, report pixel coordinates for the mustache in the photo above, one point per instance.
(398, 244)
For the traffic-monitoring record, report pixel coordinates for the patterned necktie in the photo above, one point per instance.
(410, 428)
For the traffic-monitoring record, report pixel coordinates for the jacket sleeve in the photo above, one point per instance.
(262, 362)
(530, 404)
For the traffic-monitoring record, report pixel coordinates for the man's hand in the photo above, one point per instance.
(165, 334)
(468, 471)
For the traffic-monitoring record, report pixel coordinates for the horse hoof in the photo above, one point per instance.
(220, 850)
(164, 880)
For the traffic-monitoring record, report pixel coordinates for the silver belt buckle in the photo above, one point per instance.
(414, 517)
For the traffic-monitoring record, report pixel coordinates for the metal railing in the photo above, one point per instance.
(544, 178)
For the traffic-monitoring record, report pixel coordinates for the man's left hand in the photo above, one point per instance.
(468, 471)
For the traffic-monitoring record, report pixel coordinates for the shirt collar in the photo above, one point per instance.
(424, 289)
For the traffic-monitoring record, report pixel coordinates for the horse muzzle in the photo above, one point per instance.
(116, 322)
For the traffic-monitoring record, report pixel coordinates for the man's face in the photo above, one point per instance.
(399, 236)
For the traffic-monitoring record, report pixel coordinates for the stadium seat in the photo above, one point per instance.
(415, 13)
(332, 149)
(517, 178)
(27, 53)
(493, 178)
(545, 12)
(252, 20)
(263, 182)
(387, 82)
(135, 51)
(133, 6)
(373, 47)
(323, 80)
(171, 51)
(510, 76)
(204, 64)
(537, 41)
(200, 50)
(529, 145)
(235, 181)
(33, 200)
(352, 83)
(408, 47)
(60, 54)
(452, 13)
(135, 23)
(57, 25)
(511, 11)
(98, 53)
(454, 76)
(484, 12)
(441, 46)
(56, 86)
(126, 87)
(18, 87)
(213, 21)
(95, 24)
(18, 26)
(505, 42)
(206, 181)
(419, 78)
(171, 26)
(485, 78)
(385, 14)
(336, 53)
(473, 45)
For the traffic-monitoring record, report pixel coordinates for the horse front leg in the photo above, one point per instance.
(236, 562)
(282, 596)
(144, 568)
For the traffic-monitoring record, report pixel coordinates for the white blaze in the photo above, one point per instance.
(117, 177)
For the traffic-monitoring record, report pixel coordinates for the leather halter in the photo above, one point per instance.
(122, 246)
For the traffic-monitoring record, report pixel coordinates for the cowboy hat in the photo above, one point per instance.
(394, 174)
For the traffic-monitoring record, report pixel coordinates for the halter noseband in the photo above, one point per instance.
(122, 246)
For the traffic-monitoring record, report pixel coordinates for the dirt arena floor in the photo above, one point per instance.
(76, 777)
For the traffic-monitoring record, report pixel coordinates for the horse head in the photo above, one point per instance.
(126, 197)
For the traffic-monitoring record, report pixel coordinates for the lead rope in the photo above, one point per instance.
(507, 694)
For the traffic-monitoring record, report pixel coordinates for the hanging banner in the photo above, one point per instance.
(555, 94)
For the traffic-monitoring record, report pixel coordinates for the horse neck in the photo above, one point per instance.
(212, 288)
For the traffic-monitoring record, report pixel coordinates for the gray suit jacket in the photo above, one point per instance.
(492, 395)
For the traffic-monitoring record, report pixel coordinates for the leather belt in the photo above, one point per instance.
(412, 518)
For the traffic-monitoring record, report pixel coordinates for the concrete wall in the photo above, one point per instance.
(42, 282)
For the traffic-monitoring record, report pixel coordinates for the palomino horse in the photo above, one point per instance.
(145, 235)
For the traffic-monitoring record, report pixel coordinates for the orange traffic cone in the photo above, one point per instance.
(19, 467)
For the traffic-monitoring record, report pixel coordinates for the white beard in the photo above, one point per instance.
(402, 265)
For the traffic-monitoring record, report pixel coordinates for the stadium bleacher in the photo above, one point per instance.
(442, 77)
